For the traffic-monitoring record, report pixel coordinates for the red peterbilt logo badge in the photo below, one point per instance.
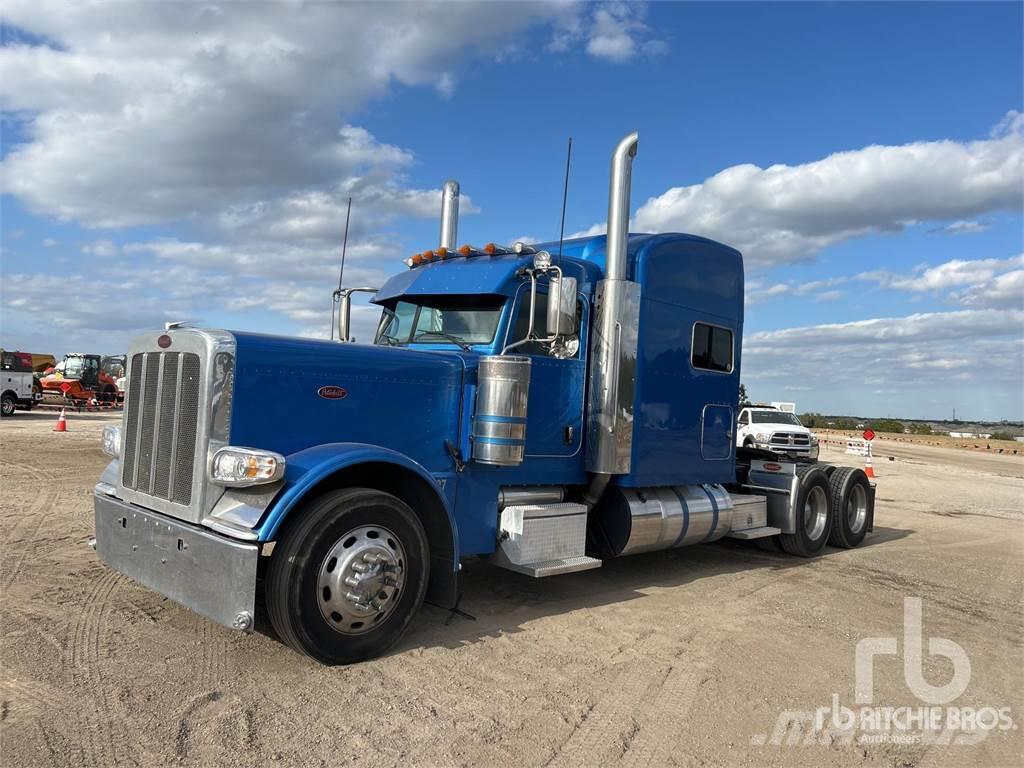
(332, 393)
(771, 467)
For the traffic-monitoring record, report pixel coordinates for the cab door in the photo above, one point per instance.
(554, 411)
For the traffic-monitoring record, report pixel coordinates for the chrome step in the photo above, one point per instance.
(547, 567)
(754, 533)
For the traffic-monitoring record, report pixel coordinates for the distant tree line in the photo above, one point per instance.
(819, 421)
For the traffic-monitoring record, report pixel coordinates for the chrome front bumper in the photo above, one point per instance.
(210, 574)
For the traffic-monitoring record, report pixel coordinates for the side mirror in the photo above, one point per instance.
(561, 306)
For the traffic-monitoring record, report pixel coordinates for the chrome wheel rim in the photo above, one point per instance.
(360, 579)
(815, 512)
(8, 407)
(857, 508)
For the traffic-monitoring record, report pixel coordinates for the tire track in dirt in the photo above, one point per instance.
(639, 719)
(42, 507)
(214, 651)
(104, 730)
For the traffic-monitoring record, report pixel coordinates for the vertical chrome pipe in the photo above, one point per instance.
(449, 215)
(613, 342)
(618, 206)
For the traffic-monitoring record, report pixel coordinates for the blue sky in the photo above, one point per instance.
(187, 160)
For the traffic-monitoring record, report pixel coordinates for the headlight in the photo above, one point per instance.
(814, 439)
(112, 441)
(762, 437)
(246, 466)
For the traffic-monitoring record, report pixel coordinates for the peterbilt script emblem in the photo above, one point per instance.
(332, 393)
(772, 467)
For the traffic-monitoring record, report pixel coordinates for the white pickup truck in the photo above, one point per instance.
(762, 426)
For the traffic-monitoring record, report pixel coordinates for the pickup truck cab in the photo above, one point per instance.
(762, 426)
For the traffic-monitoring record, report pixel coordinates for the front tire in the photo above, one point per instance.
(347, 576)
(813, 514)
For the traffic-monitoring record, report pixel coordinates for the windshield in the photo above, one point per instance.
(774, 417)
(73, 368)
(441, 319)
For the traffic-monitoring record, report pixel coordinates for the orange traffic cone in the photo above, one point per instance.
(62, 422)
(868, 469)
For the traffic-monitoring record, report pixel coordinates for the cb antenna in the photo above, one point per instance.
(565, 197)
(341, 272)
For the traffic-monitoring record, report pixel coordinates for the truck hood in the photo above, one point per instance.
(291, 393)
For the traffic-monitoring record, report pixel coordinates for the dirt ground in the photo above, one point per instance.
(687, 657)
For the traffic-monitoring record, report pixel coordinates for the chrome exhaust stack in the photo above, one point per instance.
(619, 189)
(613, 345)
(449, 215)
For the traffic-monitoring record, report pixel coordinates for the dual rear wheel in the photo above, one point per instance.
(830, 509)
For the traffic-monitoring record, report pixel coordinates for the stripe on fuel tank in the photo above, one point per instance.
(499, 440)
(500, 419)
(686, 517)
(714, 512)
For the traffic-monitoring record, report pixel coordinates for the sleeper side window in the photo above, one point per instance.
(712, 348)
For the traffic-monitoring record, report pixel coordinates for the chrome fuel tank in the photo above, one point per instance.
(632, 520)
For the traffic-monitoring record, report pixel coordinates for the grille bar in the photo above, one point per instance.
(161, 425)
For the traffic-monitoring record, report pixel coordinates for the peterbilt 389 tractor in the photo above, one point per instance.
(546, 407)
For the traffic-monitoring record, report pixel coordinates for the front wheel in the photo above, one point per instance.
(346, 578)
(7, 405)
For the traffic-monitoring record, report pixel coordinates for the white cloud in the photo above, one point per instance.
(613, 32)
(1005, 290)
(788, 213)
(828, 296)
(963, 227)
(972, 282)
(104, 249)
(49, 242)
(984, 346)
(175, 111)
(758, 291)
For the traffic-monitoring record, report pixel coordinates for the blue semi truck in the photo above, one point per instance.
(544, 406)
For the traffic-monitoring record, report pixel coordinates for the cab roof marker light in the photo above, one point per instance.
(468, 251)
(491, 249)
(427, 256)
(410, 262)
(442, 253)
(523, 249)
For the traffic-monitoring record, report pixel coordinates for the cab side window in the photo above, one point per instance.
(744, 418)
(712, 348)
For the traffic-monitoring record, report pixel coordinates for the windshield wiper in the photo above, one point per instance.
(443, 335)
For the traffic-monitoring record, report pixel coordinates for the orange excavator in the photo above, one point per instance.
(79, 379)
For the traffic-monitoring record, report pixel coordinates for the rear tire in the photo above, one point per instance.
(7, 405)
(850, 494)
(365, 539)
(813, 514)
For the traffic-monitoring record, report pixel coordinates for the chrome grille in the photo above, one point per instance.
(160, 425)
